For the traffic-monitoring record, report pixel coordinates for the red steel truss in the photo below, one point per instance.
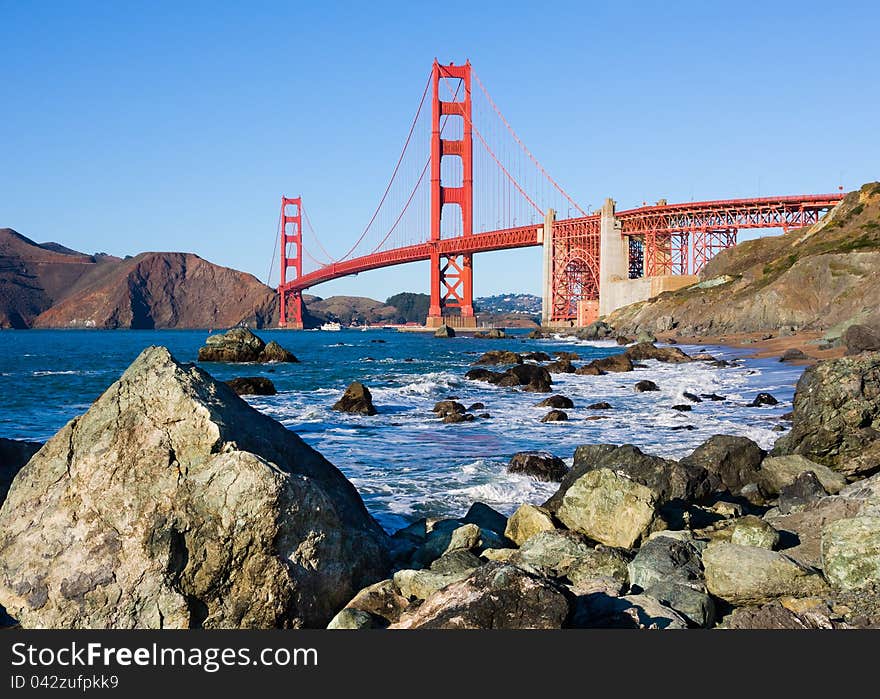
(667, 233)
(712, 225)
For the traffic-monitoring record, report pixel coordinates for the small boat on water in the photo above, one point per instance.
(331, 326)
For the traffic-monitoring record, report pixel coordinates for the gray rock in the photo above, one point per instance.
(836, 416)
(567, 554)
(352, 619)
(609, 508)
(861, 338)
(695, 605)
(753, 531)
(732, 462)
(776, 472)
(527, 521)
(602, 611)
(751, 575)
(494, 596)
(665, 558)
(173, 504)
(241, 345)
(486, 518)
(444, 331)
(851, 552)
(803, 490)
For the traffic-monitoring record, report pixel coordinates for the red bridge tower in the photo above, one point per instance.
(291, 312)
(452, 276)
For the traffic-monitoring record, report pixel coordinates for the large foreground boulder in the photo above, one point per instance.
(732, 462)
(171, 503)
(836, 416)
(241, 345)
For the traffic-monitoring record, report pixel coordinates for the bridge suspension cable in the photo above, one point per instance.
(523, 146)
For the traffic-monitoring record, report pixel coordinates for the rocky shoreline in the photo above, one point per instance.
(173, 504)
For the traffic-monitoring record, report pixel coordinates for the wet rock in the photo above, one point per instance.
(647, 337)
(527, 521)
(555, 416)
(763, 399)
(750, 575)
(561, 366)
(712, 396)
(252, 386)
(484, 416)
(851, 552)
(608, 508)
(444, 331)
(861, 338)
(541, 465)
(589, 370)
(622, 340)
(536, 356)
(556, 401)
(836, 416)
(241, 345)
(484, 375)
(692, 397)
(357, 399)
(172, 503)
(647, 350)
(682, 408)
(597, 330)
(447, 407)
(486, 517)
(732, 462)
(602, 405)
(645, 385)
(532, 378)
(793, 355)
(616, 363)
(493, 334)
(452, 418)
(475, 406)
(499, 357)
(14, 454)
(494, 596)
(803, 490)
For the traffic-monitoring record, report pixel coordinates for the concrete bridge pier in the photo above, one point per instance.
(613, 256)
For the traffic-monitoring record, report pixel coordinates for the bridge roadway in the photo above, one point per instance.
(766, 212)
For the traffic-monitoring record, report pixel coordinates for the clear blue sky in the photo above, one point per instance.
(177, 125)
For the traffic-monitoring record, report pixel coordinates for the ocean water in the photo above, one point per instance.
(405, 462)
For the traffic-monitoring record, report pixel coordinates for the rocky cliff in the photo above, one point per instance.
(819, 278)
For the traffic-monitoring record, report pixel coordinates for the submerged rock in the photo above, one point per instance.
(356, 399)
(645, 385)
(252, 386)
(171, 503)
(241, 345)
(555, 416)
(763, 399)
(556, 402)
